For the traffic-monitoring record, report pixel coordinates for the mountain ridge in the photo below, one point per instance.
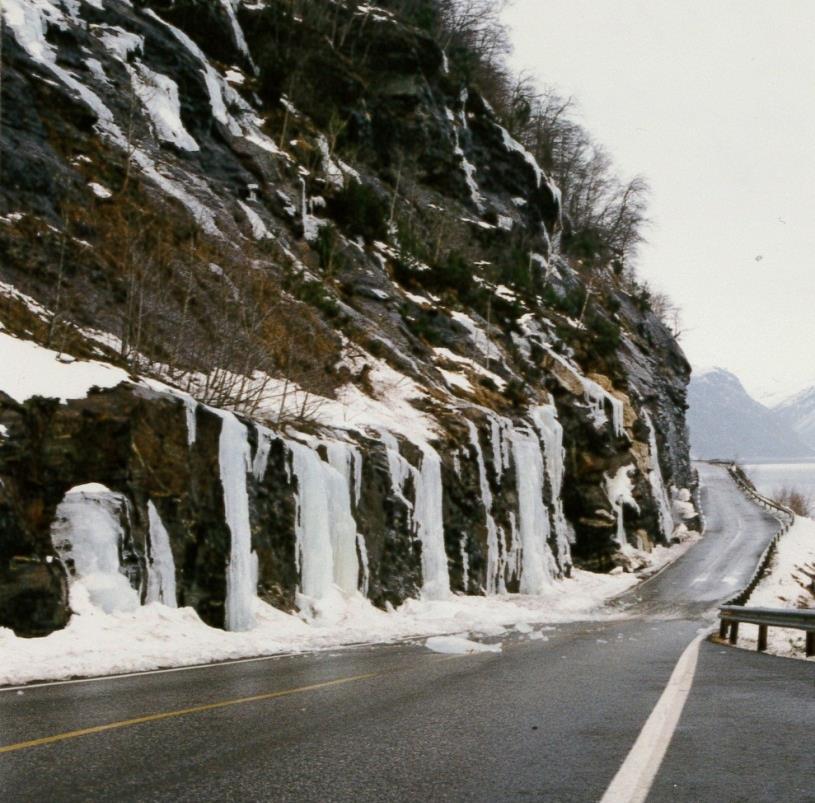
(726, 422)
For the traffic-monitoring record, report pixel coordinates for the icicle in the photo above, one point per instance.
(619, 491)
(237, 31)
(242, 570)
(261, 461)
(501, 587)
(343, 531)
(399, 469)
(493, 555)
(430, 526)
(465, 562)
(468, 168)
(190, 409)
(658, 491)
(366, 568)
(596, 396)
(314, 557)
(537, 562)
(347, 460)
(500, 429)
(357, 455)
(427, 514)
(161, 568)
(551, 432)
(513, 554)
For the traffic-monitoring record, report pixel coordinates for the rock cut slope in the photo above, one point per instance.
(359, 358)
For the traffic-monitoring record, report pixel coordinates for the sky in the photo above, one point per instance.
(713, 101)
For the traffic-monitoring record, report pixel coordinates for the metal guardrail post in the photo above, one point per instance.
(762, 638)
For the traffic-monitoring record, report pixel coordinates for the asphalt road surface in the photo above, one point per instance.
(549, 720)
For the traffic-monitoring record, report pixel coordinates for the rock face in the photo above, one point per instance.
(403, 383)
(725, 422)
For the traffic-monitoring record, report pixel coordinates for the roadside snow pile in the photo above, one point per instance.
(155, 636)
(648, 563)
(790, 584)
(458, 645)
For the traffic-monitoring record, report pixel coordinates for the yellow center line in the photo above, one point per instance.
(181, 712)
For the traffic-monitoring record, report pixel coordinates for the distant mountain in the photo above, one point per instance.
(726, 422)
(798, 414)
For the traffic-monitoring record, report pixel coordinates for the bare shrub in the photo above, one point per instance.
(798, 501)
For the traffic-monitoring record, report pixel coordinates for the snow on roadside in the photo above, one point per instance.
(155, 636)
(789, 584)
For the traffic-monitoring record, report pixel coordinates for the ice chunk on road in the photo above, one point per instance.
(458, 645)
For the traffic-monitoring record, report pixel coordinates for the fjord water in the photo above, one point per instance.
(770, 477)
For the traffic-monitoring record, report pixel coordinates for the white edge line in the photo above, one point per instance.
(190, 667)
(399, 642)
(634, 779)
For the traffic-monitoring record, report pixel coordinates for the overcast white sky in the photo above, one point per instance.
(714, 102)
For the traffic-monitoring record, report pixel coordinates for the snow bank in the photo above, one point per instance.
(155, 636)
(789, 584)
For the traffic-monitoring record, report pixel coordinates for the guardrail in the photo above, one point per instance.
(734, 612)
(785, 517)
(765, 618)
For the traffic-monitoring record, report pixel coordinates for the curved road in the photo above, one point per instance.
(545, 720)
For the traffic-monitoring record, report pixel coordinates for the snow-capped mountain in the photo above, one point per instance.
(726, 422)
(798, 413)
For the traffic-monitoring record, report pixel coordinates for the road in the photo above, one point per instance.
(545, 720)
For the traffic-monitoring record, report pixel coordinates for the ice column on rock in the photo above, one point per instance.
(326, 532)
(493, 555)
(399, 469)
(313, 553)
(551, 433)
(261, 461)
(658, 491)
(242, 570)
(237, 31)
(468, 168)
(538, 565)
(597, 397)
(161, 565)
(346, 460)
(428, 515)
(619, 490)
(500, 431)
(87, 533)
(465, 562)
(427, 512)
